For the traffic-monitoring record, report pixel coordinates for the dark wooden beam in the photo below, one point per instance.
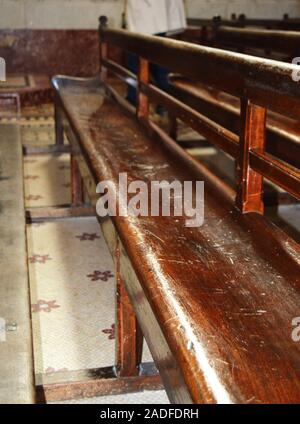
(53, 213)
(93, 383)
(45, 150)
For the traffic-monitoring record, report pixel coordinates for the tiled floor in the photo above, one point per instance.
(72, 294)
(47, 180)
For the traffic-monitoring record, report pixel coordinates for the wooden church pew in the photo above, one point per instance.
(283, 135)
(215, 303)
(267, 42)
(242, 21)
(201, 30)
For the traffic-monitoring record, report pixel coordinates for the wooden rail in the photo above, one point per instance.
(286, 42)
(273, 41)
(260, 84)
(241, 21)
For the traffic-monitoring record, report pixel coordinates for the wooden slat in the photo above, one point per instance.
(275, 40)
(93, 383)
(280, 142)
(129, 338)
(201, 170)
(143, 79)
(222, 137)
(46, 150)
(76, 183)
(121, 72)
(16, 356)
(265, 82)
(242, 21)
(253, 135)
(286, 177)
(53, 213)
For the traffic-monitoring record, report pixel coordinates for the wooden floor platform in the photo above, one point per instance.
(16, 358)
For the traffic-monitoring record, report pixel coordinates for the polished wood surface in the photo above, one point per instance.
(215, 303)
(223, 296)
(264, 83)
(283, 134)
(129, 338)
(243, 76)
(253, 136)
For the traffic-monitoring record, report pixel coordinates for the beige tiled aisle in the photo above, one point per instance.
(71, 276)
(72, 295)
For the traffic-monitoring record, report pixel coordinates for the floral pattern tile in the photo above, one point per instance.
(47, 180)
(70, 311)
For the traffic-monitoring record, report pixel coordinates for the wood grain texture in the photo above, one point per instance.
(129, 338)
(215, 303)
(253, 136)
(239, 75)
(283, 134)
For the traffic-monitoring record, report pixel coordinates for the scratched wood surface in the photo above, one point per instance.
(16, 360)
(223, 295)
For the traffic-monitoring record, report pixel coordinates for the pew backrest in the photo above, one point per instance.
(260, 84)
(241, 21)
(281, 42)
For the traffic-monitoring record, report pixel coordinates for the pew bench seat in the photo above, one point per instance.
(283, 133)
(215, 303)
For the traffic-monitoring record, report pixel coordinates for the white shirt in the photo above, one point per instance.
(155, 16)
(176, 15)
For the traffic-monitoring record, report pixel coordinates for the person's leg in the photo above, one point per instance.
(133, 64)
(160, 76)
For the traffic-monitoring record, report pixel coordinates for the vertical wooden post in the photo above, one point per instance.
(173, 126)
(59, 132)
(103, 48)
(129, 338)
(216, 23)
(242, 20)
(253, 136)
(142, 99)
(76, 182)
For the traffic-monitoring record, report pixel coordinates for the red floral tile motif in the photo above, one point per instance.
(100, 275)
(111, 332)
(64, 167)
(44, 306)
(39, 259)
(88, 237)
(34, 198)
(31, 177)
